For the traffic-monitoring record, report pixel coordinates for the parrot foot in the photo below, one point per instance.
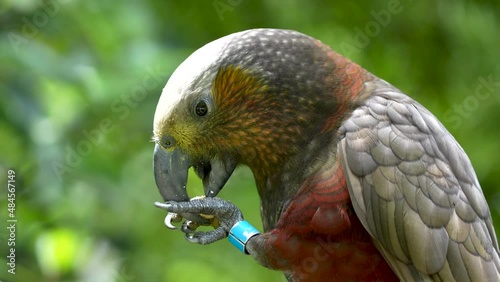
(223, 216)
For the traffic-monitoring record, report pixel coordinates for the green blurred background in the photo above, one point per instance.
(79, 83)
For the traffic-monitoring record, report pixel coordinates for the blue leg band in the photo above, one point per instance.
(240, 234)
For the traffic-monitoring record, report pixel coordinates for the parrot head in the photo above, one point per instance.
(252, 98)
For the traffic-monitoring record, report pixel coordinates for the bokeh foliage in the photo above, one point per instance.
(79, 82)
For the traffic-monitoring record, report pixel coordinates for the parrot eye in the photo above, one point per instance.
(167, 141)
(201, 108)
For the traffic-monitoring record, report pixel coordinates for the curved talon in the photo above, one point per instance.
(189, 226)
(174, 207)
(161, 205)
(192, 237)
(172, 217)
(185, 229)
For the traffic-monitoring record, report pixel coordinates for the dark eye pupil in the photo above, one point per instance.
(201, 108)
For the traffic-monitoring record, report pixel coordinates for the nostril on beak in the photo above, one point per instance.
(167, 141)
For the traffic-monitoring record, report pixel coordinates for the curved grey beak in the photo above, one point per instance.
(171, 172)
(171, 169)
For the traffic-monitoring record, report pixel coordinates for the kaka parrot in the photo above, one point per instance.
(357, 181)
